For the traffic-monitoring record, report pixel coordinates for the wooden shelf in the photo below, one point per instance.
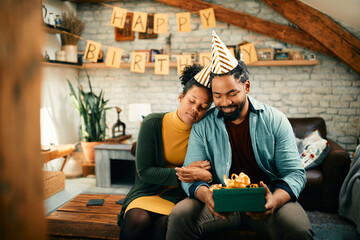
(53, 29)
(62, 64)
(272, 63)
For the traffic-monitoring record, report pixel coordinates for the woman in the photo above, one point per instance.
(161, 146)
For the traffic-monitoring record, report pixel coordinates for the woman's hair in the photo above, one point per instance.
(187, 78)
(240, 73)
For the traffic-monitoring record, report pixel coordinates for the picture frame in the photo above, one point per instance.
(149, 33)
(265, 54)
(148, 54)
(126, 33)
(193, 55)
(153, 53)
(282, 55)
(297, 55)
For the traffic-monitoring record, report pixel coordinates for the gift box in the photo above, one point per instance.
(239, 199)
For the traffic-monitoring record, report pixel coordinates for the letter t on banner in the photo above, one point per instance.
(161, 64)
(138, 60)
(118, 17)
(208, 18)
(92, 51)
(183, 22)
(113, 57)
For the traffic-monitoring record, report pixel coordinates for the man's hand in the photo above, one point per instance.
(200, 164)
(273, 201)
(206, 196)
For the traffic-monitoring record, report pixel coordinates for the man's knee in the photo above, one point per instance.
(184, 210)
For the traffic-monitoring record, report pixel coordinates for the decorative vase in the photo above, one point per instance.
(89, 151)
(71, 53)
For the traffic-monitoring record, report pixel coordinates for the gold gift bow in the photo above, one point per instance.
(236, 181)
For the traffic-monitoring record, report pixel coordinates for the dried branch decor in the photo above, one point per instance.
(74, 25)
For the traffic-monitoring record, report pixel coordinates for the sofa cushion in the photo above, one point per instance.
(314, 150)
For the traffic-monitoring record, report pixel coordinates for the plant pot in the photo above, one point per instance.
(71, 53)
(89, 151)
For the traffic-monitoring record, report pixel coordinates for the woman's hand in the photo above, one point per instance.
(196, 171)
(200, 164)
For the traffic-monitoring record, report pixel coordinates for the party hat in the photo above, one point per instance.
(222, 59)
(203, 76)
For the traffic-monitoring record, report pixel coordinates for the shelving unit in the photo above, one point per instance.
(62, 64)
(272, 63)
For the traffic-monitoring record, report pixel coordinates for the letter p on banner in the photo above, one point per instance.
(92, 51)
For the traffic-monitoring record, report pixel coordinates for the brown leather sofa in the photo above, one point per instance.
(323, 182)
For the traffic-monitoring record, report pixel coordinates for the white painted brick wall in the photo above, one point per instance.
(330, 90)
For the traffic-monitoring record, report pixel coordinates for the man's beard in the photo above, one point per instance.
(233, 115)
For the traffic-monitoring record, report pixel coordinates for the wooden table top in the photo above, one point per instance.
(57, 151)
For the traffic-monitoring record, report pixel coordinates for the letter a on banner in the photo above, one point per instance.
(138, 60)
(162, 64)
(118, 17)
(208, 18)
(183, 22)
(92, 51)
(182, 61)
(113, 57)
(139, 22)
(161, 23)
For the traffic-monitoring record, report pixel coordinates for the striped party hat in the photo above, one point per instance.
(203, 76)
(222, 59)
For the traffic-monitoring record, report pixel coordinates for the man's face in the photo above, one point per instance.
(229, 96)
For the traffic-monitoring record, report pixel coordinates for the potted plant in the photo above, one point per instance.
(69, 42)
(92, 110)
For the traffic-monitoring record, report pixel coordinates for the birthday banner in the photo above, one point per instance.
(139, 23)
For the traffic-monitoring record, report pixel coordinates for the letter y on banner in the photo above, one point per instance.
(208, 18)
(92, 51)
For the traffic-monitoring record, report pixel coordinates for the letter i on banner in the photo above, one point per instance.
(161, 23)
(138, 60)
(113, 57)
(208, 18)
(92, 51)
(162, 64)
(139, 22)
(118, 17)
(183, 22)
(182, 61)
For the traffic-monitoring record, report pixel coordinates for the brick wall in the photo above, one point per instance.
(330, 90)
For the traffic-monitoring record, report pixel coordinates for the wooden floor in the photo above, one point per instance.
(75, 220)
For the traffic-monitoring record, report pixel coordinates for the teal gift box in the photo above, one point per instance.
(239, 199)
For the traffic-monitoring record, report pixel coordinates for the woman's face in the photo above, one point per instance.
(193, 105)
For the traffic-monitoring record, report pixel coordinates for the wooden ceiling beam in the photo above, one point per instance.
(258, 25)
(339, 41)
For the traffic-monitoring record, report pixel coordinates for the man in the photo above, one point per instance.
(241, 135)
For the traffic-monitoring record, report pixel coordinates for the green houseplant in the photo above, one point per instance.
(92, 109)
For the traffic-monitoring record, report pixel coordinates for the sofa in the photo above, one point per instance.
(323, 182)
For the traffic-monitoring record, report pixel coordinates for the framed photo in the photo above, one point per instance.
(149, 33)
(282, 56)
(192, 54)
(148, 54)
(265, 54)
(153, 53)
(126, 57)
(297, 55)
(125, 34)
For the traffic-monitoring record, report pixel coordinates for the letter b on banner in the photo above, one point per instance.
(92, 51)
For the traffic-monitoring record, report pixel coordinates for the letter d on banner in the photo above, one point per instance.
(92, 51)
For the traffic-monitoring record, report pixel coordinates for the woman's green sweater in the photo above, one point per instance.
(153, 176)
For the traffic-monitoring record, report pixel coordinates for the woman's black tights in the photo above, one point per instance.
(142, 224)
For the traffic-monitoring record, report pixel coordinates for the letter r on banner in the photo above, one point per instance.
(113, 57)
(118, 17)
(138, 60)
(92, 51)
